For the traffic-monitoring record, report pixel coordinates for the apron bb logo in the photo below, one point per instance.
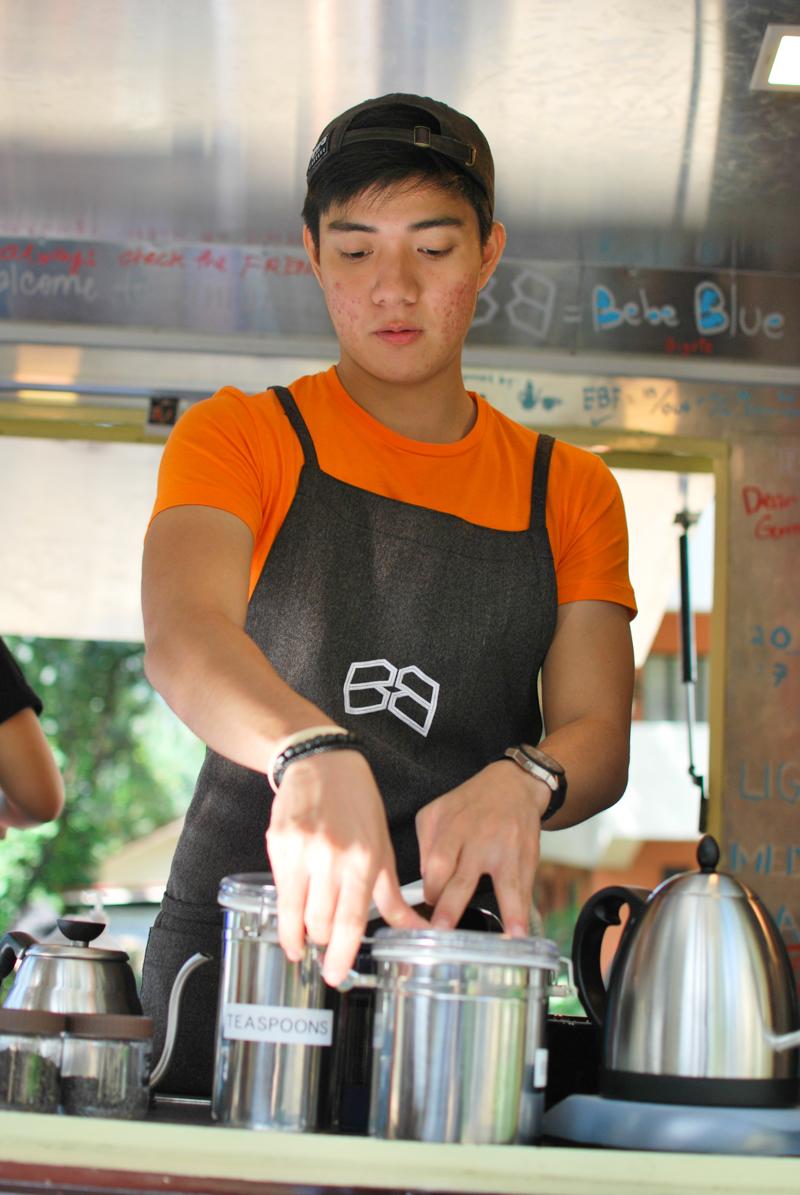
(374, 685)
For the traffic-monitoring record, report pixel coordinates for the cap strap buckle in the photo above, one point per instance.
(422, 136)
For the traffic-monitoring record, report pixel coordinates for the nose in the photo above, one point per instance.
(396, 284)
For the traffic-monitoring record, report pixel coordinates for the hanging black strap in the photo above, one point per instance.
(292, 413)
(541, 473)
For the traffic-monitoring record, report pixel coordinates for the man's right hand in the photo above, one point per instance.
(331, 854)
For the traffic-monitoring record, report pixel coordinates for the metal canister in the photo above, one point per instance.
(459, 1038)
(271, 1022)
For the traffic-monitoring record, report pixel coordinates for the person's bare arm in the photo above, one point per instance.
(491, 824)
(31, 788)
(328, 839)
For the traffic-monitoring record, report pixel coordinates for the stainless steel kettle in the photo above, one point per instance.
(701, 1005)
(79, 978)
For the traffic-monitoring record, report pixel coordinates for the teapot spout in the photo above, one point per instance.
(173, 1011)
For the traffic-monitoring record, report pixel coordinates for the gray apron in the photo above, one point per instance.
(423, 633)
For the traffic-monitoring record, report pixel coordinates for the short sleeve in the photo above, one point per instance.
(589, 532)
(15, 692)
(215, 457)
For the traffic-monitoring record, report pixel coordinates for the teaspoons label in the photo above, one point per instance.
(275, 1023)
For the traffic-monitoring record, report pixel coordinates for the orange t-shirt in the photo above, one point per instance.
(238, 453)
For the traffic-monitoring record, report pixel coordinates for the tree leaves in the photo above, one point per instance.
(95, 699)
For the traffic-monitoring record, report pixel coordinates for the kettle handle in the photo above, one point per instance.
(600, 911)
(12, 946)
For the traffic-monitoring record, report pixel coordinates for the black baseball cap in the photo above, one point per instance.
(457, 138)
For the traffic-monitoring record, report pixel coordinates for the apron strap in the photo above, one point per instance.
(541, 473)
(292, 413)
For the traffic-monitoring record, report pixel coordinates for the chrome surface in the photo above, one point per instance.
(459, 1021)
(705, 975)
(74, 979)
(81, 979)
(620, 131)
(258, 1084)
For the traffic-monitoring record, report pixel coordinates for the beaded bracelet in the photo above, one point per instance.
(328, 740)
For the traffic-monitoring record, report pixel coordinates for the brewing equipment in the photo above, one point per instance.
(701, 1006)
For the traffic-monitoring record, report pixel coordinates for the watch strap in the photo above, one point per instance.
(537, 764)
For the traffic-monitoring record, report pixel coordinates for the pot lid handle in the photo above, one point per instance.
(80, 933)
(707, 854)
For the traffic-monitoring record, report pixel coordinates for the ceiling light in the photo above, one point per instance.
(778, 65)
(786, 67)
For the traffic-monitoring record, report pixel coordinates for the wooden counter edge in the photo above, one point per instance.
(227, 1158)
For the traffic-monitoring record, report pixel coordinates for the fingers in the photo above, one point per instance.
(321, 898)
(349, 923)
(426, 826)
(441, 866)
(514, 900)
(513, 886)
(292, 889)
(391, 906)
(457, 892)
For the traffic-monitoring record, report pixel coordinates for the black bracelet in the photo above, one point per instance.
(315, 746)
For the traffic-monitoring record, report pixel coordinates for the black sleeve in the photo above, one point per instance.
(15, 692)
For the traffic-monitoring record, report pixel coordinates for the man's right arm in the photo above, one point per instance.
(328, 839)
(195, 577)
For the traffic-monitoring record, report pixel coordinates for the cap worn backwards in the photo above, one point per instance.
(459, 138)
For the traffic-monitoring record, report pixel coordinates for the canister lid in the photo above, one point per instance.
(249, 892)
(431, 946)
(109, 1026)
(31, 1020)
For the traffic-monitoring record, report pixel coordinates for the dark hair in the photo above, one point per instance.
(390, 165)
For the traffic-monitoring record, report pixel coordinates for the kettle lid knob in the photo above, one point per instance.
(707, 854)
(80, 933)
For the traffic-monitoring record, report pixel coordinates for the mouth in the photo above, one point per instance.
(398, 334)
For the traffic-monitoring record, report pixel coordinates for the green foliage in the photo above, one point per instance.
(559, 927)
(96, 701)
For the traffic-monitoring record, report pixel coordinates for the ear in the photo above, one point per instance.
(491, 253)
(313, 252)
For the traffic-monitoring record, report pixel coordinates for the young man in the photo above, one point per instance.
(351, 587)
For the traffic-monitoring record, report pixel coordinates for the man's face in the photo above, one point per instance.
(401, 274)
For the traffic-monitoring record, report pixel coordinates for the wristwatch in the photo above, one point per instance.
(544, 768)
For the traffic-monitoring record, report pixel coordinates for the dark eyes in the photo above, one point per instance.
(434, 254)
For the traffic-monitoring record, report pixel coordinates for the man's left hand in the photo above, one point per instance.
(489, 825)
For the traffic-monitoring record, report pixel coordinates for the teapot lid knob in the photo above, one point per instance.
(707, 854)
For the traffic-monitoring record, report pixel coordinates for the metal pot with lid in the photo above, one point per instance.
(701, 1004)
(80, 978)
(459, 1050)
(271, 1022)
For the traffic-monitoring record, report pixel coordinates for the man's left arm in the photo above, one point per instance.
(490, 825)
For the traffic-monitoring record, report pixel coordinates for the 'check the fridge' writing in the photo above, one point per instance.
(275, 1023)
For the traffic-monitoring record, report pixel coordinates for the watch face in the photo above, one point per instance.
(545, 760)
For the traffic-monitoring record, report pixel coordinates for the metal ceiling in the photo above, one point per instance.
(623, 132)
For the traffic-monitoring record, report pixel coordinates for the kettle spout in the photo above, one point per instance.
(782, 1041)
(173, 1010)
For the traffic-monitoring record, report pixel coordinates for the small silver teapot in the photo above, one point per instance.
(701, 1004)
(79, 978)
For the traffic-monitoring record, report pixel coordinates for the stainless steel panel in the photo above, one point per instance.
(620, 130)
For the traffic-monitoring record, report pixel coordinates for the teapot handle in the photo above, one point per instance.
(600, 911)
(12, 947)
